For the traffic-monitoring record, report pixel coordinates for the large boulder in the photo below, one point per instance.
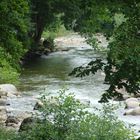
(135, 111)
(132, 103)
(8, 90)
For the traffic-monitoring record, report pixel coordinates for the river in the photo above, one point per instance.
(49, 74)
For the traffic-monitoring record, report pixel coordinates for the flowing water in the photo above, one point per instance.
(49, 74)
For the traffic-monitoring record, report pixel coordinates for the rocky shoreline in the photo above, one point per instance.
(11, 114)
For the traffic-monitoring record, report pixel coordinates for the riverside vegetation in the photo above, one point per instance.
(23, 23)
(65, 118)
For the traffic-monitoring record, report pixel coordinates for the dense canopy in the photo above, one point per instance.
(23, 22)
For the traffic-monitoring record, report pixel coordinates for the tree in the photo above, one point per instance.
(14, 27)
(44, 13)
(123, 58)
(23, 22)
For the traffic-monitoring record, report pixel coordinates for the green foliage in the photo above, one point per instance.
(55, 32)
(49, 14)
(91, 40)
(124, 54)
(7, 72)
(55, 29)
(119, 22)
(119, 18)
(103, 127)
(44, 16)
(14, 27)
(91, 68)
(65, 118)
(65, 110)
(95, 17)
(6, 135)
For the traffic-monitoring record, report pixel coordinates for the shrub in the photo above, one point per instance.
(6, 135)
(8, 73)
(65, 118)
(103, 127)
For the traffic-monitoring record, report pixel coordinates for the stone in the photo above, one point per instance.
(2, 109)
(38, 105)
(10, 95)
(132, 99)
(6, 89)
(132, 103)
(126, 96)
(3, 117)
(41, 41)
(26, 124)
(12, 119)
(2, 102)
(12, 125)
(135, 111)
(2, 93)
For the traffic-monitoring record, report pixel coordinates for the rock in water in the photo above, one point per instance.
(38, 105)
(8, 89)
(135, 111)
(27, 124)
(132, 103)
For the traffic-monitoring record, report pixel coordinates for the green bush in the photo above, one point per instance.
(8, 73)
(104, 127)
(7, 135)
(53, 33)
(14, 42)
(65, 118)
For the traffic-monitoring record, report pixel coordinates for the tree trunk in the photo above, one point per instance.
(38, 29)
